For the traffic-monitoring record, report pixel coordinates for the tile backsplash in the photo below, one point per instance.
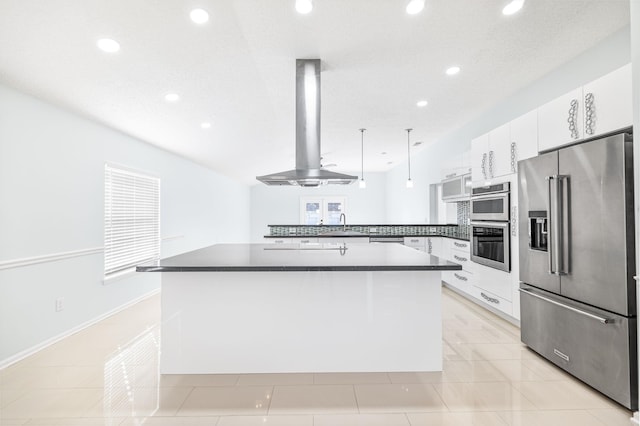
(455, 231)
(464, 214)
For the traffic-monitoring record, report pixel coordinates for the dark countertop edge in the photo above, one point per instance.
(365, 224)
(366, 236)
(453, 267)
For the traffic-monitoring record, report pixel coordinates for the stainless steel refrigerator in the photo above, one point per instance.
(577, 260)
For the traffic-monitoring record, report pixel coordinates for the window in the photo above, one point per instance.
(322, 210)
(131, 219)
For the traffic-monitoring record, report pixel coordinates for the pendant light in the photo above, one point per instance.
(304, 6)
(362, 183)
(409, 181)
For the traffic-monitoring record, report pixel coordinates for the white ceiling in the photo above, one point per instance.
(238, 70)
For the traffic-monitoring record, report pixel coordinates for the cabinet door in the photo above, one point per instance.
(555, 119)
(479, 158)
(499, 155)
(610, 107)
(434, 246)
(524, 137)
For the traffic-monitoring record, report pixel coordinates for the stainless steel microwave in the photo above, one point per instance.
(490, 202)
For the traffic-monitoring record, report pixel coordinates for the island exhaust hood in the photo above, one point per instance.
(308, 171)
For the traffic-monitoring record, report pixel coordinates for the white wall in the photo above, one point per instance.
(280, 205)
(412, 206)
(51, 201)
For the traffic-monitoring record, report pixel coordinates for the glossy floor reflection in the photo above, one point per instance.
(108, 375)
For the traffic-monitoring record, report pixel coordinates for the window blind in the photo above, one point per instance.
(131, 219)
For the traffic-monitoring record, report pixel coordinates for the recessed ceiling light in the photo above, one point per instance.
(304, 6)
(205, 125)
(422, 103)
(171, 97)
(415, 6)
(108, 45)
(452, 70)
(513, 7)
(199, 16)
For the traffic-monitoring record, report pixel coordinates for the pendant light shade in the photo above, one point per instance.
(362, 182)
(304, 6)
(409, 181)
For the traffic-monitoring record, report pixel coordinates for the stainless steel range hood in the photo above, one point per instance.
(308, 171)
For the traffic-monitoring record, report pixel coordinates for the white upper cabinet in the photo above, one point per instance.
(610, 107)
(499, 155)
(524, 138)
(480, 158)
(560, 121)
(599, 107)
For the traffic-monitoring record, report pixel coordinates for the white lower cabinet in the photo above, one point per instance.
(457, 251)
(344, 240)
(418, 243)
(493, 280)
(278, 240)
(492, 300)
(434, 246)
(462, 280)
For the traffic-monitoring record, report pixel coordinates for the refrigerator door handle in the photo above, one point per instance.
(551, 224)
(603, 320)
(564, 226)
(556, 225)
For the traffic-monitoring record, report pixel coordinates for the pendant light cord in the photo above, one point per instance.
(409, 152)
(362, 153)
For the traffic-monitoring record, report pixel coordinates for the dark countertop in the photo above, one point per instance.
(300, 257)
(460, 237)
(366, 224)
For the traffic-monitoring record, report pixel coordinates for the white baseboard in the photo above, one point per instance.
(32, 350)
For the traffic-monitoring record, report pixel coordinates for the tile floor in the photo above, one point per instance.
(108, 375)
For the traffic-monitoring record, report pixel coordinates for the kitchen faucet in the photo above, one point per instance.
(344, 224)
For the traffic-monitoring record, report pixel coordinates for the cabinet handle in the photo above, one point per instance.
(484, 165)
(573, 119)
(589, 111)
(461, 259)
(513, 157)
(490, 299)
(460, 277)
(457, 244)
(491, 163)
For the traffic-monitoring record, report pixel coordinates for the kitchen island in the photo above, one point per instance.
(262, 308)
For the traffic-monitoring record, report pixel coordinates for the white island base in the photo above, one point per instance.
(290, 321)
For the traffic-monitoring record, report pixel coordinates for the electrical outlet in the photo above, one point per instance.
(59, 304)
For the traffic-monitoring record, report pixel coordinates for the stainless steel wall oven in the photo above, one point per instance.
(490, 231)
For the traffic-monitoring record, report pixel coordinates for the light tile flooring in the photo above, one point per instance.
(108, 375)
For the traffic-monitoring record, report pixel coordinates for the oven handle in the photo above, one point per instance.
(499, 194)
(494, 224)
